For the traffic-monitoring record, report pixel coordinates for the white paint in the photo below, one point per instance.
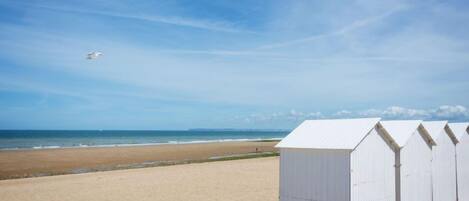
(372, 177)
(329, 134)
(459, 130)
(462, 159)
(435, 129)
(309, 174)
(347, 167)
(416, 169)
(443, 161)
(463, 169)
(402, 130)
(414, 155)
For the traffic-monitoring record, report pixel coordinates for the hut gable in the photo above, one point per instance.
(329, 134)
(459, 130)
(401, 131)
(435, 128)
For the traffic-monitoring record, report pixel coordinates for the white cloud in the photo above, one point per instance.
(444, 112)
(343, 113)
(451, 112)
(291, 116)
(396, 112)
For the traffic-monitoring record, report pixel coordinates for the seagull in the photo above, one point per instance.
(93, 55)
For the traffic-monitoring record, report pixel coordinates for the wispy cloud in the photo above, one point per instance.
(211, 25)
(15, 84)
(358, 24)
(205, 65)
(224, 53)
(261, 50)
(342, 31)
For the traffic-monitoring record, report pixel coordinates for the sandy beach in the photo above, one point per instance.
(245, 179)
(30, 163)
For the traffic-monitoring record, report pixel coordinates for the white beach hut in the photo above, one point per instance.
(413, 159)
(461, 132)
(337, 160)
(443, 160)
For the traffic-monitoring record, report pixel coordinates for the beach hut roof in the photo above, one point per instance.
(400, 131)
(329, 134)
(459, 129)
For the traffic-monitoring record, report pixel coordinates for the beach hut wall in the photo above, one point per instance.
(337, 160)
(413, 159)
(461, 132)
(443, 160)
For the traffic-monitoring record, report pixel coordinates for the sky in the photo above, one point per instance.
(179, 64)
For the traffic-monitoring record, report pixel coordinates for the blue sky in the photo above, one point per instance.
(240, 64)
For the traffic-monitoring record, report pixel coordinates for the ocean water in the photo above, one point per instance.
(49, 139)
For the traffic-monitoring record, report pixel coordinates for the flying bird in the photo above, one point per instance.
(93, 55)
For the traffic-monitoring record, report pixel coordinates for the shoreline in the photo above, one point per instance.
(24, 163)
(141, 144)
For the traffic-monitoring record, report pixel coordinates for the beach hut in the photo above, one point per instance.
(461, 132)
(413, 159)
(337, 160)
(443, 160)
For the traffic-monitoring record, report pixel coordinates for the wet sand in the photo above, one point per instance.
(31, 163)
(245, 179)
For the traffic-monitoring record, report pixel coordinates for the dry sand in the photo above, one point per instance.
(27, 163)
(247, 179)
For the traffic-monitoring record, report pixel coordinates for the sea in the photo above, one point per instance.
(52, 139)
